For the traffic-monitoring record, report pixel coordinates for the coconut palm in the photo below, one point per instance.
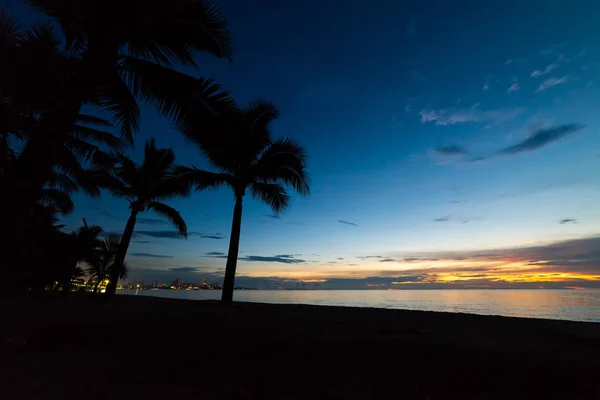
(146, 187)
(103, 261)
(109, 65)
(246, 158)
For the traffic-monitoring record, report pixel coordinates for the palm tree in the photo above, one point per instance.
(246, 158)
(84, 244)
(109, 65)
(145, 187)
(102, 263)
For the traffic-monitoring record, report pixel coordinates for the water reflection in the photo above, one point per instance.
(575, 305)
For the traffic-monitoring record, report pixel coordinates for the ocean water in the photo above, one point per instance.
(574, 305)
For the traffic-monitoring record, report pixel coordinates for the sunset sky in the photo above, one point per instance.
(451, 144)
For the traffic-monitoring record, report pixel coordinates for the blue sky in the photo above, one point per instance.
(405, 109)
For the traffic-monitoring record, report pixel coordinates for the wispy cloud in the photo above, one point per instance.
(550, 82)
(176, 235)
(274, 216)
(541, 138)
(387, 260)
(281, 258)
(150, 255)
(450, 151)
(367, 257)
(513, 88)
(567, 221)
(442, 219)
(545, 71)
(443, 117)
(341, 221)
(215, 253)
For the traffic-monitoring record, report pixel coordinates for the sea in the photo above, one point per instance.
(573, 305)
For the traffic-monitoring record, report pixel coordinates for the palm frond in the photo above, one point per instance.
(200, 179)
(60, 200)
(183, 96)
(174, 32)
(172, 215)
(283, 161)
(273, 194)
(92, 120)
(10, 31)
(116, 98)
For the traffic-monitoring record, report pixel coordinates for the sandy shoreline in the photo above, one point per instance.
(56, 348)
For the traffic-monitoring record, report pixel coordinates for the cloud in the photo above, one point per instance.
(150, 255)
(107, 214)
(142, 241)
(541, 138)
(387, 260)
(366, 257)
(567, 221)
(546, 71)
(287, 259)
(444, 117)
(442, 219)
(550, 82)
(151, 221)
(340, 258)
(341, 221)
(176, 235)
(207, 236)
(184, 269)
(274, 216)
(513, 88)
(450, 151)
(215, 253)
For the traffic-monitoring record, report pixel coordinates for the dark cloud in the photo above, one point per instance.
(340, 258)
(150, 255)
(184, 269)
(176, 235)
(162, 234)
(365, 257)
(442, 219)
(341, 221)
(567, 221)
(387, 260)
(459, 201)
(451, 151)
(274, 216)
(142, 241)
(151, 221)
(542, 137)
(215, 253)
(289, 259)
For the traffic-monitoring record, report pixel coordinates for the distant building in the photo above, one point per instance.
(177, 282)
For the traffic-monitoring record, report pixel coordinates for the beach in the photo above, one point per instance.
(144, 347)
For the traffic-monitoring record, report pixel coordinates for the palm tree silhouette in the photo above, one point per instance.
(246, 157)
(146, 187)
(108, 65)
(84, 244)
(103, 261)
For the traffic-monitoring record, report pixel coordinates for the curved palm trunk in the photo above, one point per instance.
(232, 256)
(111, 288)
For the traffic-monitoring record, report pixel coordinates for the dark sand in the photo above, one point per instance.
(52, 348)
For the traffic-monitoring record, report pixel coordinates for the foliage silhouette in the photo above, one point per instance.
(146, 187)
(239, 146)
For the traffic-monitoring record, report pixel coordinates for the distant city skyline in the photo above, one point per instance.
(449, 147)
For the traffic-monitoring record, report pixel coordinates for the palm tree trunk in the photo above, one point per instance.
(232, 256)
(111, 288)
(96, 285)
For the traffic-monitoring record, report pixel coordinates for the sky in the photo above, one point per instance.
(451, 145)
